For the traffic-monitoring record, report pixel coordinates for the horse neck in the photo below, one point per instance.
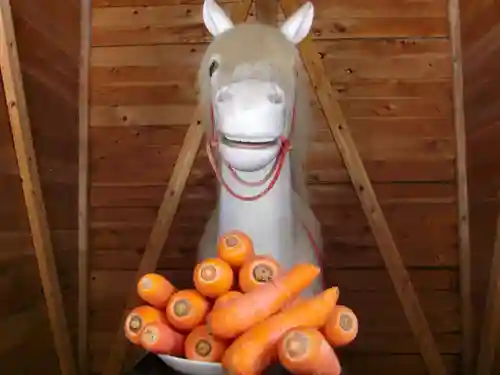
(269, 219)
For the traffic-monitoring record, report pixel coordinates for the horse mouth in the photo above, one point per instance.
(249, 143)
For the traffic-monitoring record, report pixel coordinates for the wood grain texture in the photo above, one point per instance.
(48, 45)
(159, 233)
(491, 325)
(480, 32)
(20, 125)
(382, 233)
(390, 64)
(83, 184)
(165, 217)
(266, 11)
(464, 249)
(164, 22)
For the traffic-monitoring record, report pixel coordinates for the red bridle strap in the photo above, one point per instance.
(273, 174)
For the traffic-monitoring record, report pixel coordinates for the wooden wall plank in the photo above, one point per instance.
(47, 64)
(161, 115)
(159, 232)
(139, 3)
(385, 59)
(60, 33)
(266, 11)
(50, 77)
(491, 325)
(165, 216)
(180, 22)
(480, 33)
(428, 50)
(388, 249)
(23, 142)
(390, 150)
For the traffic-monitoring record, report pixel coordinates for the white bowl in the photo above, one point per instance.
(189, 367)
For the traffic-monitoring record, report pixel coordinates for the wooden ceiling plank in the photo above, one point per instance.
(369, 202)
(83, 186)
(35, 206)
(165, 217)
(266, 11)
(491, 326)
(462, 190)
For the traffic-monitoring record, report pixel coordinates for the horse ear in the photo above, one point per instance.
(215, 19)
(298, 25)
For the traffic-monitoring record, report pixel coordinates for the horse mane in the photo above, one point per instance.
(260, 47)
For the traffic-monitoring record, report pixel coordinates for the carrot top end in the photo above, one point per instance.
(150, 335)
(181, 308)
(346, 322)
(231, 241)
(203, 348)
(134, 323)
(296, 345)
(208, 272)
(263, 273)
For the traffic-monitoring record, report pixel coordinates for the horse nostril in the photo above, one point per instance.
(277, 96)
(224, 95)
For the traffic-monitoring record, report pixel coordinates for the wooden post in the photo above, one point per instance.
(266, 11)
(83, 185)
(369, 202)
(165, 216)
(26, 159)
(491, 323)
(462, 193)
(158, 235)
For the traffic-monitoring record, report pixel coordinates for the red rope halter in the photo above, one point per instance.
(272, 175)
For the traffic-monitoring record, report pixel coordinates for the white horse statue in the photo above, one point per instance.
(257, 116)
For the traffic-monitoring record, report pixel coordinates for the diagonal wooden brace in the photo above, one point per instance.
(165, 216)
(490, 331)
(368, 199)
(33, 196)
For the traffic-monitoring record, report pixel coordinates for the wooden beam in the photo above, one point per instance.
(462, 193)
(26, 159)
(83, 185)
(266, 11)
(364, 190)
(165, 217)
(158, 235)
(490, 332)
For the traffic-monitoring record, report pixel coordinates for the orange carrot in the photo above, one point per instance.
(200, 345)
(228, 296)
(155, 289)
(235, 247)
(186, 309)
(213, 277)
(255, 349)
(341, 327)
(138, 318)
(306, 351)
(256, 271)
(160, 338)
(241, 313)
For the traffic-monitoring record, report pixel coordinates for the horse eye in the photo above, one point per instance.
(213, 67)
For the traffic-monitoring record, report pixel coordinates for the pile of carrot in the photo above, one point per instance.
(243, 312)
